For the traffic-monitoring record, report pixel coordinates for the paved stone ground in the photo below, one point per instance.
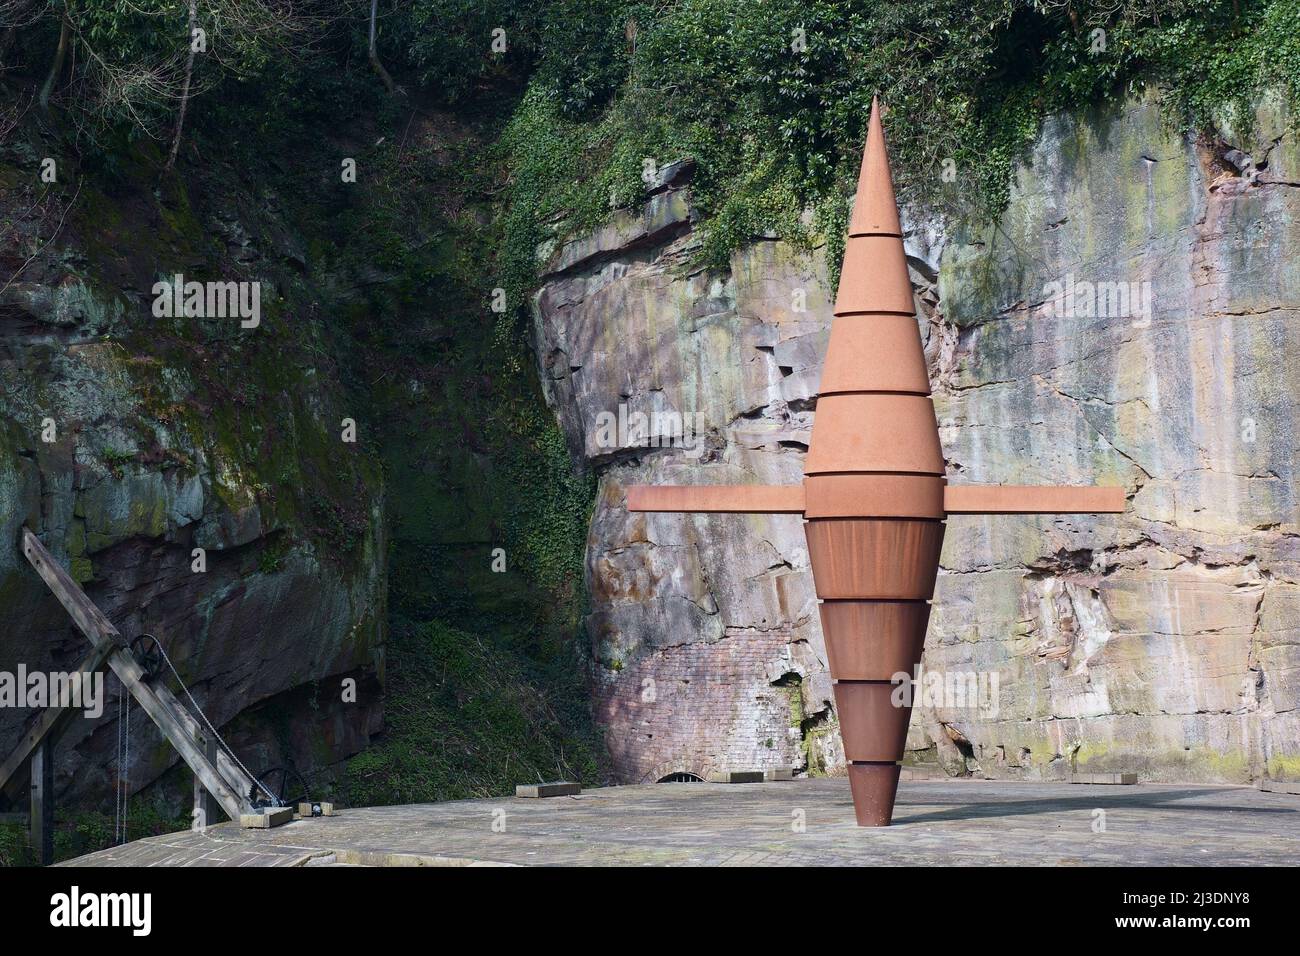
(944, 822)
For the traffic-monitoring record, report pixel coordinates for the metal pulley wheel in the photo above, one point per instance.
(148, 654)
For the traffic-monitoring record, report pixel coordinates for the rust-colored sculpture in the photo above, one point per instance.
(874, 494)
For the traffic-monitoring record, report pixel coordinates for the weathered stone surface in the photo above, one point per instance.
(801, 823)
(708, 653)
(1105, 779)
(1164, 641)
(1135, 641)
(738, 776)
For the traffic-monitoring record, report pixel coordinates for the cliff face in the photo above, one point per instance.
(1132, 320)
(128, 441)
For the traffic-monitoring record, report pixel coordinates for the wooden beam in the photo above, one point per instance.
(206, 809)
(181, 730)
(727, 499)
(238, 781)
(224, 781)
(50, 722)
(90, 620)
(1031, 499)
(41, 821)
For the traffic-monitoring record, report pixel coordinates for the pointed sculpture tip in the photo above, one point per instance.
(875, 212)
(874, 150)
(876, 113)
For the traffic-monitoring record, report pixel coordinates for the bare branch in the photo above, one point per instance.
(60, 54)
(374, 53)
(185, 90)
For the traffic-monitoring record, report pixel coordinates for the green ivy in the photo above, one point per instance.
(770, 99)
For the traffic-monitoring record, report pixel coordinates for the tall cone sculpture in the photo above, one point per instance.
(874, 494)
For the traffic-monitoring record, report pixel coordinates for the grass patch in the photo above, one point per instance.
(467, 717)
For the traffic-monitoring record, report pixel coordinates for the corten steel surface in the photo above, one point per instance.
(873, 722)
(874, 494)
(894, 558)
(899, 629)
(885, 430)
(735, 499)
(1031, 499)
(851, 365)
(881, 495)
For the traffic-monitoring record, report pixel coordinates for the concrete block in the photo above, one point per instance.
(737, 776)
(1111, 779)
(559, 788)
(266, 818)
(309, 809)
(778, 773)
(1280, 786)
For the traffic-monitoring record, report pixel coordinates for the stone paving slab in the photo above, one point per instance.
(787, 823)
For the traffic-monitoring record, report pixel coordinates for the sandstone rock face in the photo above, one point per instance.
(1164, 641)
(704, 628)
(128, 442)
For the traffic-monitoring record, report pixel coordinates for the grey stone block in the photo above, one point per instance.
(737, 776)
(920, 773)
(267, 818)
(1280, 786)
(778, 773)
(559, 788)
(326, 809)
(1111, 779)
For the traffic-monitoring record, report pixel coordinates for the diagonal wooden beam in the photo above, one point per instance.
(90, 620)
(1031, 499)
(728, 499)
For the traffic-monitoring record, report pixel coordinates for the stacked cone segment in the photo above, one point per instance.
(873, 482)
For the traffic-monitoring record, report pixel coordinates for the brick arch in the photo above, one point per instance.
(668, 767)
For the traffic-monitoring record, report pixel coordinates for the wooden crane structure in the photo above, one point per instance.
(220, 781)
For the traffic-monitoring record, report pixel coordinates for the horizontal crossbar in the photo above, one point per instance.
(1031, 499)
(730, 499)
(957, 499)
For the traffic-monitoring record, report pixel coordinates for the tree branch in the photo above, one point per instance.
(374, 54)
(185, 91)
(59, 56)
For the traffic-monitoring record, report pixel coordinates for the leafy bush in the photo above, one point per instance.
(771, 98)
